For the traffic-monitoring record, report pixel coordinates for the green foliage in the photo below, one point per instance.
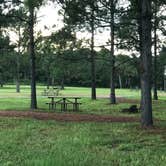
(64, 38)
(62, 55)
(161, 61)
(78, 13)
(74, 65)
(33, 4)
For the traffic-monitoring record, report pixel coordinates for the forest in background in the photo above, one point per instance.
(72, 68)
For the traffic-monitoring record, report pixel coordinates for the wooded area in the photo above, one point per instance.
(82, 82)
(62, 59)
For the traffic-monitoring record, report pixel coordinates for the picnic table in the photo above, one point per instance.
(64, 102)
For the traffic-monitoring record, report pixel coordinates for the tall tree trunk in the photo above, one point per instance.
(155, 96)
(52, 81)
(120, 82)
(164, 79)
(146, 63)
(164, 84)
(32, 58)
(139, 21)
(18, 63)
(112, 56)
(62, 83)
(17, 86)
(48, 81)
(130, 82)
(93, 63)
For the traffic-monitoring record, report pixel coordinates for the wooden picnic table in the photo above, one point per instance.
(64, 101)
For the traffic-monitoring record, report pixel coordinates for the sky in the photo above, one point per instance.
(48, 15)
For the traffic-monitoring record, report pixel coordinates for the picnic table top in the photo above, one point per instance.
(64, 97)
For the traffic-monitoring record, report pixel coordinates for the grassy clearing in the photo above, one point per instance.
(47, 143)
(10, 100)
(9, 91)
(28, 142)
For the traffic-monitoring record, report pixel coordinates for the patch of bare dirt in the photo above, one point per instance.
(127, 100)
(67, 117)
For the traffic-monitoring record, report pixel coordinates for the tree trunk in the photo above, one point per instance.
(146, 63)
(32, 58)
(18, 64)
(17, 86)
(52, 81)
(120, 82)
(129, 82)
(139, 21)
(126, 82)
(112, 57)
(155, 96)
(48, 81)
(62, 82)
(164, 79)
(93, 63)
(164, 83)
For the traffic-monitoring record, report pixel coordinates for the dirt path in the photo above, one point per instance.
(67, 117)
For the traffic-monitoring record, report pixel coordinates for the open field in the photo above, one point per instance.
(32, 142)
(10, 100)
(9, 90)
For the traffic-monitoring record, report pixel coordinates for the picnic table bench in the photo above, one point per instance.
(64, 102)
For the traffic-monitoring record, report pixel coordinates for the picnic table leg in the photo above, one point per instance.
(52, 102)
(75, 105)
(63, 105)
(54, 106)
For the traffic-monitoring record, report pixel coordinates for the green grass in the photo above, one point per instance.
(48, 143)
(29, 142)
(9, 90)
(10, 100)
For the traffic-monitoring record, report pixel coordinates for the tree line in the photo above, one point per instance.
(49, 68)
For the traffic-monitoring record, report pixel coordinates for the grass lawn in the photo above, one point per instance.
(29, 142)
(48, 143)
(10, 100)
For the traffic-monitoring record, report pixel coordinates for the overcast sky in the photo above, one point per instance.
(48, 16)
